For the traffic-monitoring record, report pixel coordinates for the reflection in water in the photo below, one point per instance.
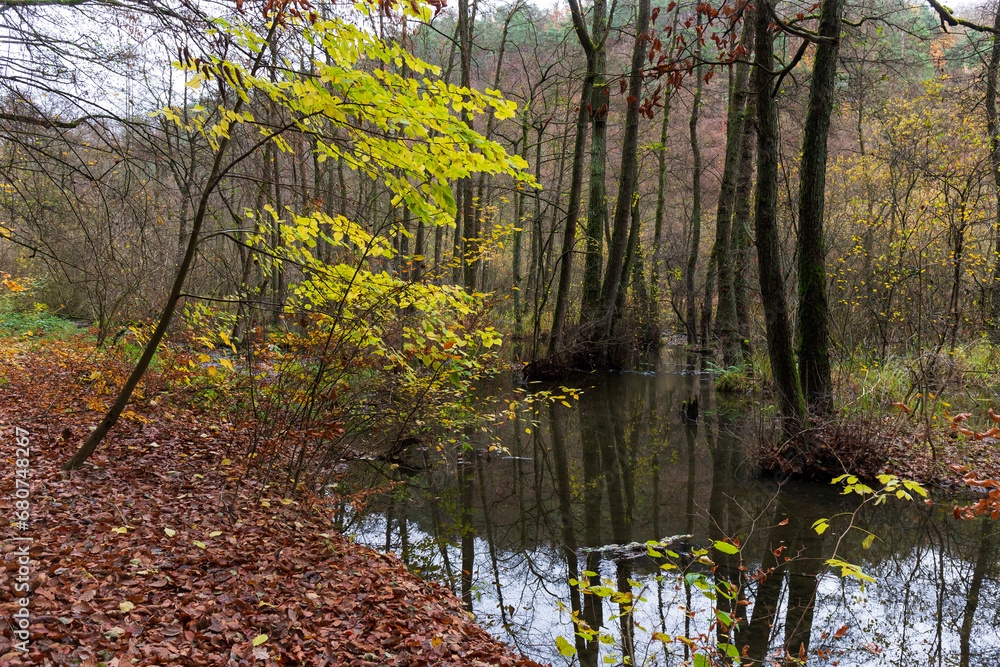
(627, 464)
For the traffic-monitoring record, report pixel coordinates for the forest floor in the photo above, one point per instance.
(160, 550)
(163, 549)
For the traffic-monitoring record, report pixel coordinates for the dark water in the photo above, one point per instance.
(508, 532)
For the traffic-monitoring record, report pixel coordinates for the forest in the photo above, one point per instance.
(253, 251)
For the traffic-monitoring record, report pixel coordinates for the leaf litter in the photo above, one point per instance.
(158, 551)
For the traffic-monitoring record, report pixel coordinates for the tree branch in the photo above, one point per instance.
(948, 18)
(42, 122)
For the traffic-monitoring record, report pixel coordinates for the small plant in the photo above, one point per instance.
(731, 379)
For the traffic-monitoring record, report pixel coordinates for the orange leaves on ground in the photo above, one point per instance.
(156, 553)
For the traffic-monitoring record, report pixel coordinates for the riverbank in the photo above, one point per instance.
(938, 456)
(160, 550)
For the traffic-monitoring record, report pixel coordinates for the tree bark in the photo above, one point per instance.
(726, 322)
(772, 288)
(661, 183)
(993, 128)
(470, 226)
(617, 258)
(692, 262)
(813, 328)
(576, 184)
(519, 234)
(597, 204)
(742, 244)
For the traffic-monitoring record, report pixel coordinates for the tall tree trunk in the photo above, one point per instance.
(617, 259)
(993, 128)
(726, 321)
(519, 234)
(814, 357)
(278, 278)
(635, 270)
(772, 287)
(576, 184)
(661, 187)
(597, 205)
(457, 255)
(706, 303)
(692, 262)
(569, 231)
(470, 226)
(742, 244)
(491, 120)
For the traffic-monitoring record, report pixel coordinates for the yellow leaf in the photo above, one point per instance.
(435, 642)
(170, 532)
(120, 530)
(259, 639)
(227, 462)
(126, 606)
(215, 533)
(200, 545)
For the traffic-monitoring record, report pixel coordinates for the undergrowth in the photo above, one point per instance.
(35, 323)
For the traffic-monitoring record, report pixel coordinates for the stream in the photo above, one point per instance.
(625, 464)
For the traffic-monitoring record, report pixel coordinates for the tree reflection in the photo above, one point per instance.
(622, 465)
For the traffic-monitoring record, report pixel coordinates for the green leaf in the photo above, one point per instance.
(726, 547)
(565, 648)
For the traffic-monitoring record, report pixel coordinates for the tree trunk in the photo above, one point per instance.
(576, 184)
(993, 128)
(457, 259)
(814, 357)
(726, 322)
(470, 227)
(742, 244)
(661, 186)
(572, 213)
(519, 234)
(692, 262)
(706, 303)
(617, 259)
(772, 288)
(597, 206)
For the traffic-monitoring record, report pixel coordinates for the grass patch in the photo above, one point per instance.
(40, 323)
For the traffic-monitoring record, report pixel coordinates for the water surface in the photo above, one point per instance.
(626, 464)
